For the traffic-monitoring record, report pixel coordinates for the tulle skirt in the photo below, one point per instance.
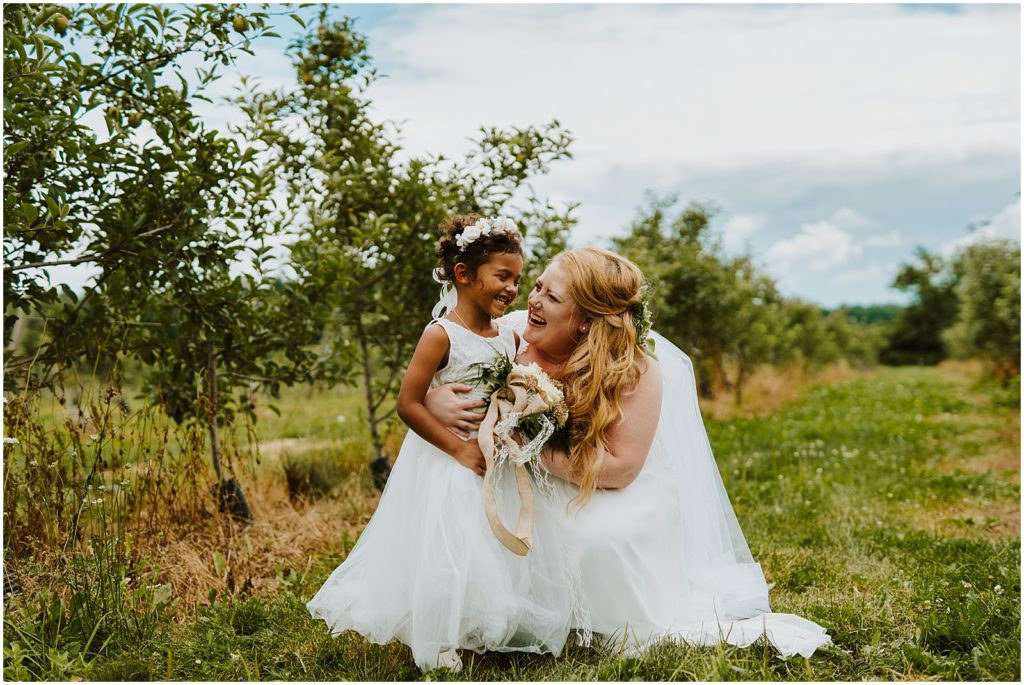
(428, 571)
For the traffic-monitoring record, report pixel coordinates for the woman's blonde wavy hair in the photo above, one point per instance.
(607, 361)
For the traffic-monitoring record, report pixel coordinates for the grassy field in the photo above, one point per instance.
(884, 507)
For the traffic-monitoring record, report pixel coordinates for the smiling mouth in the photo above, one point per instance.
(537, 320)
(503, 301)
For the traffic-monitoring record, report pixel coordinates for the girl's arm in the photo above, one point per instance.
(628, 441)
(430, 352)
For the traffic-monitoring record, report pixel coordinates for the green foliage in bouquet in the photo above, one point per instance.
(494, 376)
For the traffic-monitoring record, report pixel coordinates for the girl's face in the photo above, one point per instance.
(554, 321)
(497, 283)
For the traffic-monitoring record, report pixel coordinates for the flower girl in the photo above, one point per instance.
(427, 569)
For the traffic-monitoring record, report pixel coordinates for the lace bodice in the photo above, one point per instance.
(465, 349)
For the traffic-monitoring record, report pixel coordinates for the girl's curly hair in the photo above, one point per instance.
(475, 254)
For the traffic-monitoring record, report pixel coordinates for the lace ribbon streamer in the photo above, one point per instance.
(515, 398)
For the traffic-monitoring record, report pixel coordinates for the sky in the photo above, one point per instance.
(834, 140)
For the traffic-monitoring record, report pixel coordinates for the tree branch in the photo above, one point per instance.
(87, 258)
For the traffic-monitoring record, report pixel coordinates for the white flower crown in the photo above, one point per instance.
(484, 227)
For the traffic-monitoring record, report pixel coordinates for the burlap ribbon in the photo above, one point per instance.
(518, 398)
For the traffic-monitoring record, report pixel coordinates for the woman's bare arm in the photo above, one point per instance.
(455, 413)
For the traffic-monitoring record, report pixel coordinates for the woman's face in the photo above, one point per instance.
(554, 321)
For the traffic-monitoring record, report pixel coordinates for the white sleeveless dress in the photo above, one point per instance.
(428, 571)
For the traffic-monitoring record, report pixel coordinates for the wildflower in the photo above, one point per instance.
(52, 465)
(93, 438)
(33, 463)
(126, 482)
(998, 589)
(101, 488)
(199, 661)
(11, 441)
(965, 583)
(340, 418)
(98, 500)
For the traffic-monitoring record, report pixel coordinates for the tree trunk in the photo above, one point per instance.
(228, 493)
(723, 376)
(741, 377)
(211, 416)
(380, 468)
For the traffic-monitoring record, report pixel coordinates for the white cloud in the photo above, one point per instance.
(850, 219)
(1004, 225)
(739, 228)
(718, 86)
(817, 247)
(821, 246)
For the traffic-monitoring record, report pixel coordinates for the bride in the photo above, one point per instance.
(653, 546)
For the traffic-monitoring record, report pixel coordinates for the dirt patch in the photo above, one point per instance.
(996, 521)
(963, 371)
(275, 448)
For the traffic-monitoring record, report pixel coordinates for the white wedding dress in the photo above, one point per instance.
(664, 557)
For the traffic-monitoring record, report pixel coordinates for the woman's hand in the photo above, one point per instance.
(469, 455)
(454, 412)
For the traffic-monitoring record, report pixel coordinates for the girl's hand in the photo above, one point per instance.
(454, 412)
(469, 455)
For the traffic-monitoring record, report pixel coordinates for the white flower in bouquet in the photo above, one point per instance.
(540, 382)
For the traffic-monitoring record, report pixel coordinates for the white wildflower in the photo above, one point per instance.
(340, 418)
(998, 589)
(33, 463)
(52, 465)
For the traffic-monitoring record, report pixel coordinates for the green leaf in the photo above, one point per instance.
(13, 149)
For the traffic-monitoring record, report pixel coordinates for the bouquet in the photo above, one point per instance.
(526, 401)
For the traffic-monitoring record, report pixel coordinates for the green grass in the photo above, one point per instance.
(852, 499)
